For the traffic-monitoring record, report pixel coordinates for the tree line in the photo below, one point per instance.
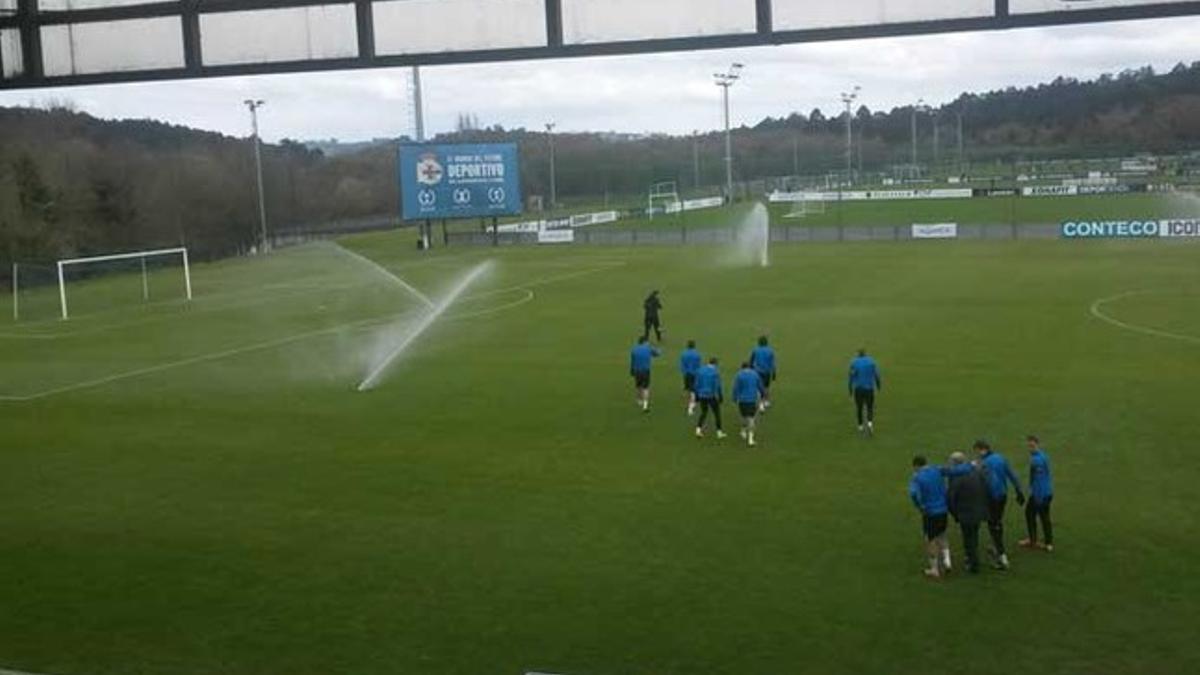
(72, 184)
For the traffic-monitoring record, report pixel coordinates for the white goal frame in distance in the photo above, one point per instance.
(667, 192)
(63, 264)
(805, 207)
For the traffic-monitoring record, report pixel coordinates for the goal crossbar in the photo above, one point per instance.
(133, 255)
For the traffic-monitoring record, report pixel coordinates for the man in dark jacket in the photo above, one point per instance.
(652, 305)
(968, 502)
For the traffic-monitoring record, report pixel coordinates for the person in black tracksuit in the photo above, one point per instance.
(652, 305)
(968, 502)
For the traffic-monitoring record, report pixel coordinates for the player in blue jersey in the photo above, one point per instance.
(747, 392)
(1041, 493)
(864, 382)
(999, 474)
(762, 359)
(640, 358)
(689, 364)
(710, 396)
(927, 490)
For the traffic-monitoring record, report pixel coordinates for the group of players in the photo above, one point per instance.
(978, 492)
(751, 385)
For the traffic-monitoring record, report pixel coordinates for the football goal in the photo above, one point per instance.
(802, 208)
(117, 279)
(666, 194)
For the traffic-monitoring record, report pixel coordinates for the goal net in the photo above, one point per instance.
(106, 282)
(802, 208)
(33, 289)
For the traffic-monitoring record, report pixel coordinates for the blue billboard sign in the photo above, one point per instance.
(459, 181)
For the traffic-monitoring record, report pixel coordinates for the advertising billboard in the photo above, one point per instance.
(459, 181)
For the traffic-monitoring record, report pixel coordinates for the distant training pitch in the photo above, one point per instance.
(198, 489)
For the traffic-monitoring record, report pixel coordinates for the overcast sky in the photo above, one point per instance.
(650, 93)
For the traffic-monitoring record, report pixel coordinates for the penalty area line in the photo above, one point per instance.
(214, 356)
(280, 342)
(1096, 312)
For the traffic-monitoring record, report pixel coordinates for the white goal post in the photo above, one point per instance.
(667, 193)
(803, 207)
(142, 255)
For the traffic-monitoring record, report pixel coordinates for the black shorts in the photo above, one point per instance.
(934, 526)
(748, 409)
(766, 379)
(689, 382)
(996, 509)
(642, 379)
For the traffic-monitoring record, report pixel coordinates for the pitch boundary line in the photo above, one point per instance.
(188, 310)
(1145, 330)
(280, 342)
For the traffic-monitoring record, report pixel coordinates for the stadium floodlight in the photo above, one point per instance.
(849, 98)
(254, 105)
(725, 81)
(142, 256)
(553, 178)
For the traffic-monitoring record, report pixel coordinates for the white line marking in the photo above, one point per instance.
(1095, 311)
(187, 311)
(15, 672)
(236, 351)
(387, 274)
(362, 323)
(493, 310)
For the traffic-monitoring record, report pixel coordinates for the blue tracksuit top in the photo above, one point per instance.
(762, 359)
(1040, 485)
(689, 362)
(747, 386)
(640, 357)
(864, 374)
(998, 474)
(708, 382)
(927, 489)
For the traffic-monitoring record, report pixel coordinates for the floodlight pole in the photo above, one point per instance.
(937, 155)
(796, 154)
(418, 106)
(960, 140)
(553, 177)
(696, 159)
(254, 105)
(920, 103)
(725, 81)
(848, 99)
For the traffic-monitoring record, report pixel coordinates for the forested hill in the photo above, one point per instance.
(74, 184)
(1135, 110)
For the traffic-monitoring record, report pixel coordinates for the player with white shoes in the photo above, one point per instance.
(747, 393)
(864, 382)
(709, 395)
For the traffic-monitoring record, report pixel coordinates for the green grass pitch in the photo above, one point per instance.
(198, 489)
